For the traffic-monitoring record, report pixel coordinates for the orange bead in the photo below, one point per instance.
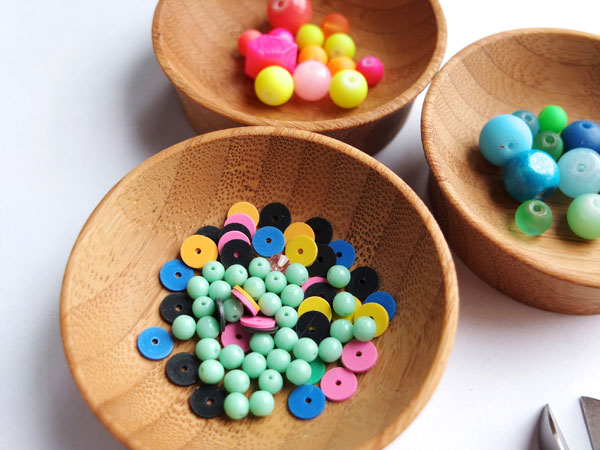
(340, 63)
(334, 23)
(313, 52)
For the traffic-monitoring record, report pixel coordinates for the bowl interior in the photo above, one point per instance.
(111, 290)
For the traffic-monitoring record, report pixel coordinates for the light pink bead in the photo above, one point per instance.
(265, 51)
(372, 69)
(311, 80)
(245, 39)
(282, 33)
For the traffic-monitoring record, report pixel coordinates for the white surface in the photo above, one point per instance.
(84, 102)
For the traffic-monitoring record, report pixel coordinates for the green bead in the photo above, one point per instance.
(203, 306)
(317, 370)
(270, 380)
(306, 349)
(298, 372)
(278, 359)
(236, 381)
(236, 275)
(344, 304)
(550, 142)
(231, 356)
(213, 271)
(286, 317)
(211, 371)
(207, 327)
(254, 364)
(338, 276)
(330, 349)
(255, 287)
(197, 287)
(219, 289)
(296, 274)
(341, 329)
(533, 217)
(262, 343)
(269, 304)
(583, 216)
(285, 338)
(233, 309)
(292, 295)
(259, 267)
(236, 405)
(184, 327)
(364, 328)
(275, 282)
(261, 403)
(207, 348)
(552, 118)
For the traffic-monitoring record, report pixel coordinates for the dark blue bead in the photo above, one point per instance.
(583, 133)
(531, 174)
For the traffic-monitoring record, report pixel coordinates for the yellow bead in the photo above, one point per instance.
(377, 313)
(301, 249)
(348, 88)
(309, 34)
(315, 304)
(340, 44)
(274, 85)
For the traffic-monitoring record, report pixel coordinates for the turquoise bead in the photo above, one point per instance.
(533, 217)
(529, 118)
(269, 304)
(330, 349)
(341, 329)
(236, 381)
(259, 267)
(306, 349)
(254, 364)
(211, 371)
(197, 287)
(184, 327)
(207, 327)
(579, 172)
(203, 306)
(270, 380)
(233, 309)
(344, 304)
(236, 405)
(285, 338)
(583, 216)
(231, 356)
(338, 276)
(296, 274)
(208, 348)
(292, 295)
(255, 287)
(261, 403)
(504, 137)
(275, 282)
(213, 271)
(219, 289)
(236, 275)
(364, 328)
(262, 343)
(298, 372)
(317, 370)
(286, 317)
(278, 359)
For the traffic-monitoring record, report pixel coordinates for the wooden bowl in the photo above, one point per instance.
(196, 44)
(521, 69)
(111, 290)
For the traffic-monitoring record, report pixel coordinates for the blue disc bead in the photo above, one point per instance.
(504, 137)
(583, 133)
(530, 119)
(531, 174)
(579, 172)
(174, 275)
(268, 241)
(344, 252)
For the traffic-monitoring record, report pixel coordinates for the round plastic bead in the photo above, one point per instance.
(579, 172)
(208, 348)
(549, 142)
(552, 118)
(184, 327)
(309, 34)
(582, 133)
(213, 271)
(274, 85)
(233, 309)
(203, 306)
(531, 174)
(341, 329)
(296, 274)
(311, 80)
(292, 295)
(155, 343)
(262, 343)
(275, 282)
(583, 216)
(289, 14)
(285, 338)
(259, 267)
(282, 33)
(211, 371)
(255, 287)
(348, 88)
(340, 44)
(306, 349)
(286, 317)
(236, 405)
(207, 327)
(236, 381)
(254, 364)
(231, 356)
(364, 328)
(344, 303)
(197, 287)
(334, 23)
(219, 289)
(298, 372)
(530, 119)
(261, 403)
(236, 275)
(376, 312)
(270, 380)
(313, 52)
(504, 137)
(338, 276)
(372, 69)
(533, 217)
(278, 359)
(269, 304)
(340, 63)
(330, 349)
(317, 369)
(245, 38)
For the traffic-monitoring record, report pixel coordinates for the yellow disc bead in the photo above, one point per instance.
(298, 229)
(315, 304)
(197, 250)
(245, 208)
(376, 312)
(348, 88)
(274, 85)
(302, 250)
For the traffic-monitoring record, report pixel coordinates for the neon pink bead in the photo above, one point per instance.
(289, 14)
(265, 51)
(245, 39)
(311, 80)
(282, 33)
(371, 68)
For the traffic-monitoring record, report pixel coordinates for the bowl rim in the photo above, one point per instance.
(179, 80)
(446, 188)
(451, 297)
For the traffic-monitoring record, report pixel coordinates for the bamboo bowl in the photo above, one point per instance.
(521, 69)
(196, 45)
(111, 290)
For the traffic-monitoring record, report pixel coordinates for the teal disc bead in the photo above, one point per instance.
(184, 327)
(233, 309)
(236, 381)
(275, 282)
(549, 142)
(197, 287)
(259, 267)
(262, 343)
(255, 287)
(278, 359)
(583, 216)
(296, 274)
(207, 327)
(203, 306)
(254, 364)
(298, 372)
(219, 289)
(344, 304)
(208, 348)
(236, 405)
(236, 275)
(341, 329)
(261, 403)
(306, 349)
(269, 304)
(211, 371)
(317, 370)
(338, 276)
(533, 217)
(292, 295)
(271, 381)
(286, 317)
(330, 349)
(364, 328)
(231, 356)
(285, 338)
(213, 271)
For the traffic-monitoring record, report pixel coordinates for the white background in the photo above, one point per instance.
(84, 101)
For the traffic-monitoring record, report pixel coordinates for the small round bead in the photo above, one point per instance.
(271, 381)
(312, 52)
(530, 119)
(581, 133)
(311, 80)
(255, 287)
(372, 69)
(531, 174)
(296, 274)
(254, 364)
(236, 275)
(364, 328)
(334, 23)
(340, 44)
(285, 338)
(231, 356)
(245, 39)
(203, 306)
(552, 118)
(289, 14)
(292, 295)
(233, 309)
(533, 217)
(236, 405)
(298, 372)
(259, 267)
(309, 34)
(197, 287)
(341, 329)
(306, 349)
(340, 63)
(184, 327)
(261, 403)
(338, 276)
(503, 137)
(549, 142)
(208, 348)
(278, 359)
(275, 282)
(348, 88)
(207, 327)
(344, 303)
(274, 85)
(286, 317)
(330, 349)
(213, 271)
(579, 172)
(262, 343)
(583, 216)
(269, 304)
(219, 289)
(236, 381)
(211, 371)
(282, 33)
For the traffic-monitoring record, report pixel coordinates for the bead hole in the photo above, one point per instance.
(178, 307)
(177, 274)
(275, 218)
(198, 251)
(550, 140)
(511, 145)
(581, 168)
(586, 125)
(338, 254)
(236, 254)
(528, 118)
(308, 400)
(184, 368)
(338, 382)
(362, 281)
(320, 259)
(238, 336)
(154, 341)
(268, 240)
(209, 401)
(538, 208)
(300, 251)
(312, 328)
(359, 354)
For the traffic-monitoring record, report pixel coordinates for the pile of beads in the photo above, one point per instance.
(543, 153)
(289, 311)
(312, 61)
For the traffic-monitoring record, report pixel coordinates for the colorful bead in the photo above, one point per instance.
(211, 371)
(197, 287)
(359, 356)
(341, 329)
(207, 327)
(338, 276)
(233, 309)
(292, 295)
(306, 402)
(245, 208)
(268, 241)
(552, 118)
(261, 403)
(279, 263)
(364, 328)
(236, 405)
(203, 306)
(302, 250)
(254, 364)
(233, 235)
(236, 381)
(306, 349)
(583, 216)
(348, 88)
(184, 327)
(317, 369)
(213, 271)
(549, 142)
(579, 172)
(235, 333)
(285, 338)
(255, 287)
(533, 217)
(245, 39)
(269, 304)
(286, 316)
(385, 300)
(231, 356)
(270, 51)
(208, 348)
(298, 372)
(340, 44)
(311, 82)
(278, 359)
(197, 250)
(282, 33)
(376, 312)
(343, 303)
(372, 69)
(340, 63)
(155, 343)
(309, 34)
(246, 300)
(275, 282)
(315, 304)
(175, 275)
(289, 14)
(504, 137)
(530, 119)
(259, 267)
(274, 86)
(339, 384)
(334, 23)
(582, 133)
(270, 380)
(259, 323)
(531, 174)
(262, 343)
(313, 52)
(296, 274)
(344, 251)
(330, 349)
(219, 289)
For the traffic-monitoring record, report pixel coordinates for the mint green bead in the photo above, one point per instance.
(261, 403)
(255, 287)
(298, 372)
(207, 327)
(236, 405)
(236, 381)
(296, 274)
(364, 328)
(231, 356)
(269, 304)
(286, 317)
(203, 306)
(533, 217)
(583, 216)
(233, 309)
(285, 338)
(270, 380)
(330, 349)
(338, 276)
(259, 267)
(317, 370)
(292, 295)
(341, 329)
(184, 327)
(262, 343)
(344, 304)
(211, 371)
(236, 275)
(219, 289)
(197, 287)
(254, 364)
(208, 348)
(275, 282)
(278, 359)
(213, 271)
(306, 349)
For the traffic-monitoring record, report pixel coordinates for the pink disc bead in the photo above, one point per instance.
(235, 333)
(242, 219)
(339, 384)
(245, 38)
(311, 80)
(265, 51)
(289, 14)
(371, 68)
(282, 33)
(313, 280)
(232, 236)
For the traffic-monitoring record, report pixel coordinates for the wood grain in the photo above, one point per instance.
(521, 69)
(111, 290)
(196, 45)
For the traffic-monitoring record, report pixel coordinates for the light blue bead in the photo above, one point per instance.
(531, 174)
(579, 172)
(503, 137)
(530, 119)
